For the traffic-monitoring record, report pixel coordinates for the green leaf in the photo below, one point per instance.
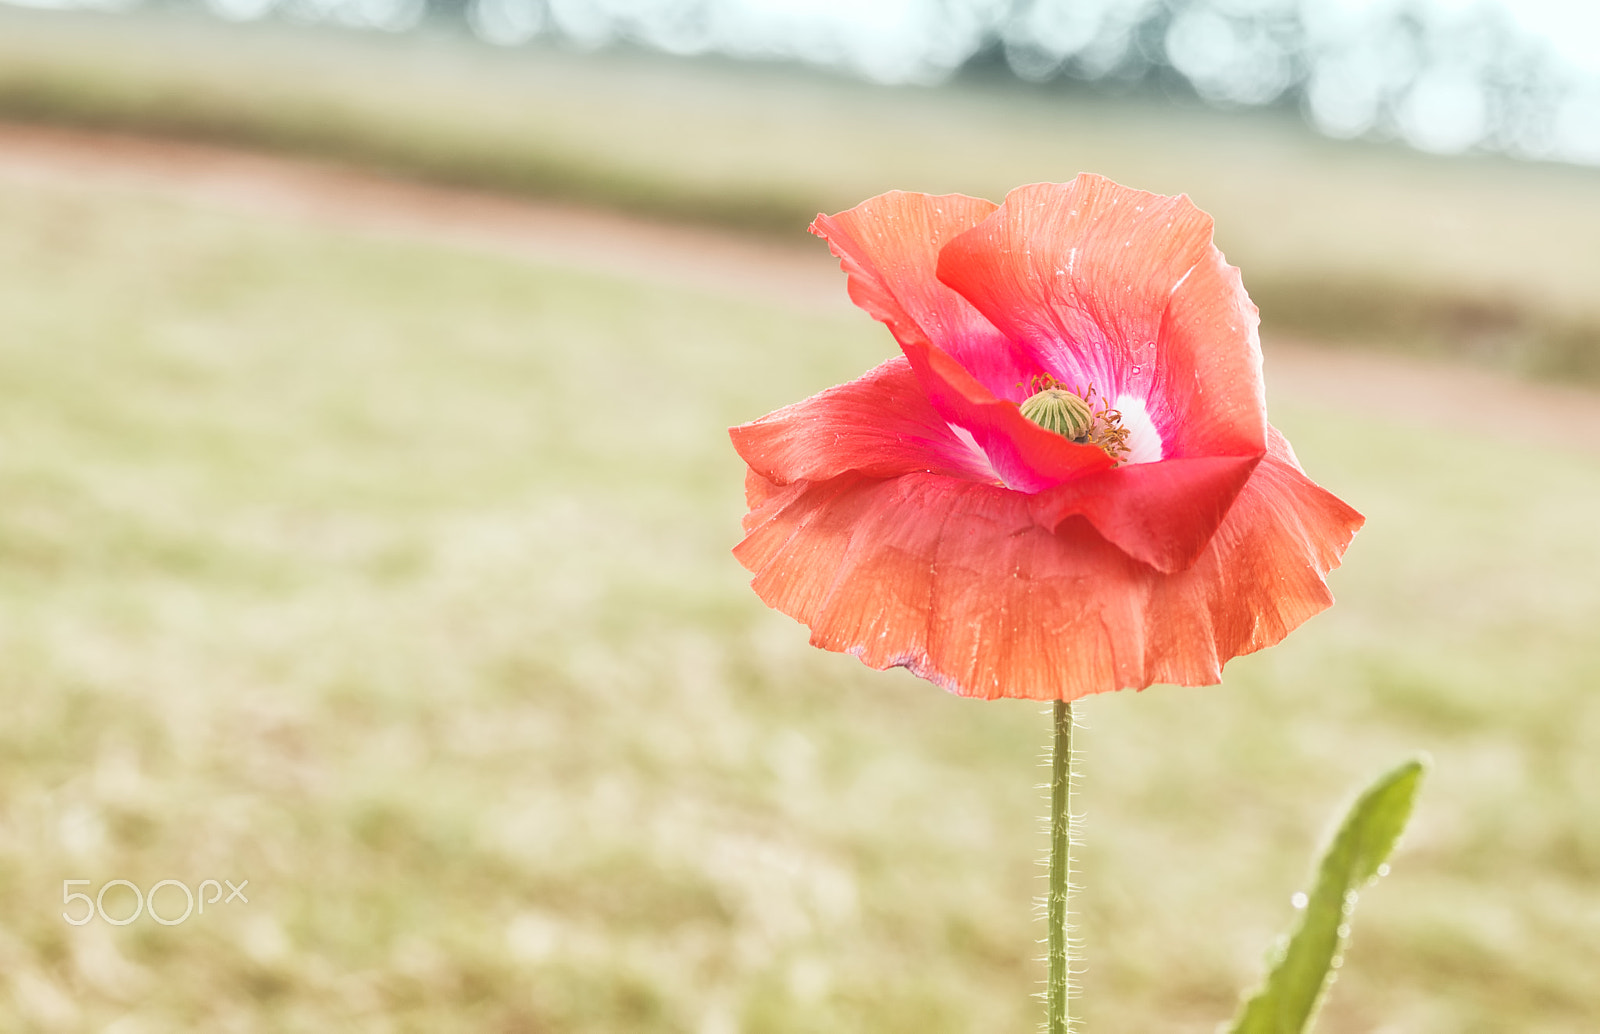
(1303, 967)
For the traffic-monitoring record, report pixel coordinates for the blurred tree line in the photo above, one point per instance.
(1444, 76)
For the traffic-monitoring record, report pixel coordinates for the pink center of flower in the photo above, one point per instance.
(1076, 414)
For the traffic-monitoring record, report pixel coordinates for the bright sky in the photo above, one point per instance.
(1572, 26)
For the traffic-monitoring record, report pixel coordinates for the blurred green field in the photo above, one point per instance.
(1483, 258)
(394, 579)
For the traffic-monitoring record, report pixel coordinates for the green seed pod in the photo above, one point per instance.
(1059, 410)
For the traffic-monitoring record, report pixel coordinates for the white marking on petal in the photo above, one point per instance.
(972, 443)
(1144, 441)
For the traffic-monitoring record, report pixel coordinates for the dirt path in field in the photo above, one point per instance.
(802, 275)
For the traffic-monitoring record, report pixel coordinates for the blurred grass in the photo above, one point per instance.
(1482, 258)
(395, 579)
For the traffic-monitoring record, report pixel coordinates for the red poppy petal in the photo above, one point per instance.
(1162, 514)
(880, 424)
(889, 247)
(1260, 577)
(793, 542)
(956, 581)
(1210, 394)
(1025, 456)
(758, 491)
(1122, 289)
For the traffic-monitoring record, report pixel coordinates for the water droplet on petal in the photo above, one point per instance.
(1299, 900)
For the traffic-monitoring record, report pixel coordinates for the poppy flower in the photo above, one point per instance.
(1066, 483)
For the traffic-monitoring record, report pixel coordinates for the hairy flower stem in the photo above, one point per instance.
(1061, 953)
